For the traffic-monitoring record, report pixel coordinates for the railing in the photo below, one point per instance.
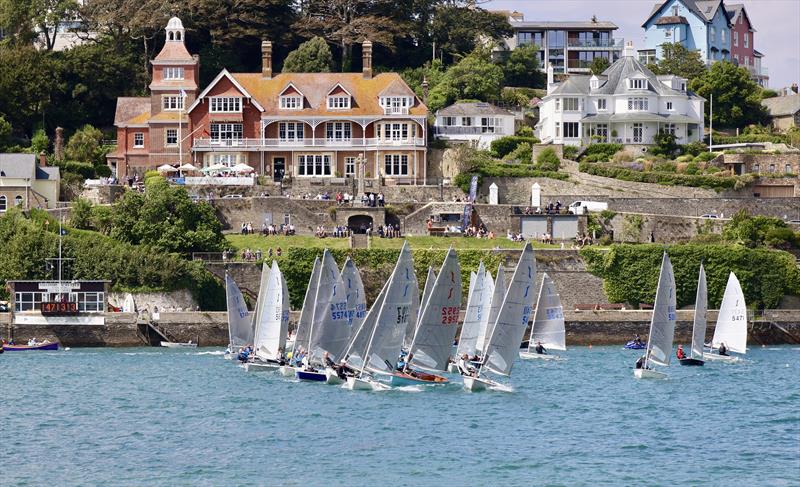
(469, 131)
(264, 143)
(607, 43)
(578, 64)
(756, 70)
(395, 110)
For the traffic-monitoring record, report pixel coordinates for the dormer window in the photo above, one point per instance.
(173, 73)
(638, 84)
(291, 102)
(338, 102)
(675, 11)
(594, 83)
(395, 105)
(225, 104)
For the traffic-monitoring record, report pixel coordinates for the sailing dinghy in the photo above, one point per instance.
(356, 312)
(695, 357)
(731, 329)
(548, 323)
(300, 346)
(476, 318)
(240, 331)
(502, 345)
(433, 340)
(662, 325)
(272, 323)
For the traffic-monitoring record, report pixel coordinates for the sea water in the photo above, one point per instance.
(150, 416)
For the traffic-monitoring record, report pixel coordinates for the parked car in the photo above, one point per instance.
(709, 215)
(794, 222)
(579, 207)
(232, 196)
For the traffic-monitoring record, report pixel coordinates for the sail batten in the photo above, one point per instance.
(548, 323)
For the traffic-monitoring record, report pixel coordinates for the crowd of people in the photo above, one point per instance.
(339, 231)
(373, 200)
(251, 255)
(479, 231)
(268, 229)
(389, 231)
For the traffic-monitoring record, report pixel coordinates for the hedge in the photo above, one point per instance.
(462, 180)
(750, 138)
(717, 183)
(505, 145)
(630, 272)
(601, 152)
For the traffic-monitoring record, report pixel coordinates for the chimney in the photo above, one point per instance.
(42, 159)
(59, 144)
(425, 90)
(266, 59)
(366, 65)
(549, 78)
(629, 50)
(794, 87)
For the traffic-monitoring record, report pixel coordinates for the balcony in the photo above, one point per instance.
(606, 44)
(578, 65)
(278, 144)
(446, 130)
(395, 110)
(757, 71)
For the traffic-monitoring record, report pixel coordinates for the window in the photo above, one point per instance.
(226, 104)
(638, 84)
(225, 159)
(558, 129)
(395, 131)
(736, 57)
(723, 36)
(226, 131)
(3, 203)
(338, 102)
(600, 130)
(466, 121)
(787, 169)
(338, 131)
(489, 124)
(675, 11)
(138, 140)
(683, 86)
(448, 121)
(291, 131)
(669, 106)
(172, 102)
(314, 165)
(571, 130)
(173, 73)
(172, 137)
(747, 60)
(668, 128)
(18, 201)
(291, 103)
(637, 104)
(638, 131)
(756, 168)
(746, 39)
(667, 33)
(558, 104)
(713, 34)
(395, 165)
(349, 166)
(736, 38)
(395, 104)
(27, 301)
(601, 104)
(571, 104)
(91, 302)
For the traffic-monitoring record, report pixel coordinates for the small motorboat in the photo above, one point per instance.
(188, 344)
(311, 375)
(36, 346)
(634, 345)
(415, 378)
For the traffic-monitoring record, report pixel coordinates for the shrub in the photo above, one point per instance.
(84, 169)
(684, 158)
(695, 148)
(664, 166)
(711, 182)
(570, 152)
(665, 144)
(623, 157)
(706, 156)
(692, 168)
(522, 153)
(40, 142)
(601, 152)
(548, 160)
(505, 145)
(524, 131)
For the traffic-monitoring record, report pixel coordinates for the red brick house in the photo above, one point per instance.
(303, 125)
(743, 49)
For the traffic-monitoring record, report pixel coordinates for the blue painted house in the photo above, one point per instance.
(702, 25)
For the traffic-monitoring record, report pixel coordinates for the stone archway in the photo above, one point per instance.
(359, 223)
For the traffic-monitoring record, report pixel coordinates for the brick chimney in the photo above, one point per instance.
(43, 159)
(58, 150)
(266, 59)
(366, 54)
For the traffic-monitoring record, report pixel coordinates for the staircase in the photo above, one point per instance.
(359, 241)
(152, 334)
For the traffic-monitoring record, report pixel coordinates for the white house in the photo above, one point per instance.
(626, 104)
(476, 122)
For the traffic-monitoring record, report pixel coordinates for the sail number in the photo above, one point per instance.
(339, 311)
(450, 315)
(526, 314)
(671, 313)
(402, 314)
(554, 313)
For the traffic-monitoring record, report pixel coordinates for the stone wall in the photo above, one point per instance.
(163, 300)
(723, 207)
(103, 195)
(767, 163)
(637, 227)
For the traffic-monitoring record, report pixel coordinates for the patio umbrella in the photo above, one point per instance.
(241, 168)
(215, 168)
(166, 168)
(187, 167)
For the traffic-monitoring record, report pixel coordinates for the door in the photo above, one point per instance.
(637, 133)
(278, 168)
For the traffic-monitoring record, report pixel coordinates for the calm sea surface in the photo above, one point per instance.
(148, 416)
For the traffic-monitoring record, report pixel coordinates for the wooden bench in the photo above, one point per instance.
(437, 231)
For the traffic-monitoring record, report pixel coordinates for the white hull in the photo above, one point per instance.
(475, 384)
(452, 368)
(286, 370)
(178, 345)
(540, 356)
(260, 367)
(363, 384)
(728, 359)
(648, 374)
(332, 377)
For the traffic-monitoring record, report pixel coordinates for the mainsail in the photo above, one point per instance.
(307, 312)
(700, 308)
(262, 292)
(731, 326)
(662, 325)
(239, 329)
(497, 295)
(416, 307)
(503, 344)
(356, 299)
(475, 315)
(548, 322)
(330, 329)
(433, 340)
(359, 341)
(271, 327)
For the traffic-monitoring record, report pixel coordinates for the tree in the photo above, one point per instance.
(28, 18)
(737, 98)
(27, 80)
(474, 77)
(234, 23)
(5, 132)
(313, 56)
(599, 64)
(522, 67)
(80, 215)
(85, 145)
(40, 142)
(678, 60)
(457, 29)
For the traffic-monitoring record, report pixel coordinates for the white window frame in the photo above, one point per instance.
(713, 33)
(291, 131)
(338, 131)
(138, 140)
(638, 104)
(722, 36)
(640, 138)
(558, 104)
(736, 38)
(669, 128)
(572, 130)
(3, 202)
(338, 102)
(228, 159)
(448, 121)
(572, 104)
(558, 129)
(349, 166)
(168, 134)
(18, 200)
(314, 165)
(395, 104)
(638, 84)
(396, 165)
(466, 121)
(173, 73)
(172, 103)
(225, 104)
(489, 124)
(602, 104)
(746, 40)
(670, 106)
(230, 131)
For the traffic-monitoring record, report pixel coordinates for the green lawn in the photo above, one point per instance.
(254, 242)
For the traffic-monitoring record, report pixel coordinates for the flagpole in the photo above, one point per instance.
(180, 133)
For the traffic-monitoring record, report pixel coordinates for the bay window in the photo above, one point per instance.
(314, 165)
(637, 104)
(571, 104)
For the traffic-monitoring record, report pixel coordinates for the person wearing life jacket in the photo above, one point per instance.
(680, 353)
(723, 350)
(540, 349)
(464, 366)
(401, 363)
(640, 362)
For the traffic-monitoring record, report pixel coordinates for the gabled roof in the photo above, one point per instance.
(339, 85)
(471, 109)
(292, 86)
(736, 10)
(782, 105)
(24, 166)
(703, 9)
(225, 74)
(397, 88)
(132, 111)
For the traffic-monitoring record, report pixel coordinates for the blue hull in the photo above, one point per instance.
(631, 345)
(311, 376)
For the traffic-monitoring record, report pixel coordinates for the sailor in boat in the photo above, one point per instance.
(32, 342)
(640, 362)
(680, 353)
(465, 368)
(281, 356)
(540, 349)
(637, 341)
(244, 353)
(723, 350)
(329, 361)
(299, 357)
(401, 364)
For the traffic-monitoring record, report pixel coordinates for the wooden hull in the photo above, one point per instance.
(534, 356)
(178, 345)
(648, 374)
(22, 348)
(311, 376)
(692, 362)
(401, 379)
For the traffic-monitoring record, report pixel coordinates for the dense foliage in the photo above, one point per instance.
(680, 61)
(601, 152)
(548, 160)
(504, 145)
(737, 98)
(312, 56)
(760, 231)
(718, 183)
(630, 272)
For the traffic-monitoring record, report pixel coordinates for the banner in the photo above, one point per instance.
(473, 189)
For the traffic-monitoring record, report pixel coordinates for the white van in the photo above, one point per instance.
(579, 207)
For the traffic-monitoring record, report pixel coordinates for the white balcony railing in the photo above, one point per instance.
(449, 130)
(395, 110)
(290, 144)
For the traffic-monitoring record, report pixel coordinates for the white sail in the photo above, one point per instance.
(700, 308)
(548, 322)
(502, 348)
(416, 307)
(307, 312)
(262, 292)
(359, 341)
(393, 315)
(731, 326)
(356, 298)
(662, 324)
(330, 329)
(475, 314)
(271, 327)
(433, 340)
(285, 307)
(239, 329)
(498, 294)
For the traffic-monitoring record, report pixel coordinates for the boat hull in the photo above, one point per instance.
(22, 348)
(178, 345)
(332, 377)
(401, 379)
(311, 376)
(692, 362)
(648, 374)
(358, 384)
(475, 384)
(261, 366)
(452, 368)
(632, 345)
(534, 356)
(286, 371)
(714, 357)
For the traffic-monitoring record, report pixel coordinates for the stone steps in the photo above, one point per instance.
(359, 241)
